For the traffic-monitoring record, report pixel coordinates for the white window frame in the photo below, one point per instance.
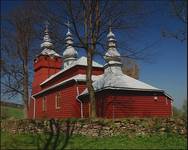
(58, 100)
(44, 103)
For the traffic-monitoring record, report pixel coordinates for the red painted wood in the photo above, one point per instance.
(70, 106)
(119, 105)
(44, 67)
(109, 103)
(70, 73)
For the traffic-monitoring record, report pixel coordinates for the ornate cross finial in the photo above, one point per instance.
(46, 25)
(47, 43)
(68, 25)
(110, 25)
(110, 33)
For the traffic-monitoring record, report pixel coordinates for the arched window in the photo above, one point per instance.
(58, 100)
(44, 103)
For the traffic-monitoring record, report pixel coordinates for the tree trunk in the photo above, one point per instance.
(92, 112)
(25, 82)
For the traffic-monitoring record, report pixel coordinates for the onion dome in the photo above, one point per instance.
(112, 54)
(47, 42)
(70, 54)
(47, 45)
(113, 77)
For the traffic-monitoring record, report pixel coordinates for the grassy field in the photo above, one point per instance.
(11, 112)
(166, 141)
(33, 141)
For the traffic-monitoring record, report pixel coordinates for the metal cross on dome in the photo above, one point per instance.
(46, 25)
(110, 25)
(68, 25)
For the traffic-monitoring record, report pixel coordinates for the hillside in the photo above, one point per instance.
(8, 112)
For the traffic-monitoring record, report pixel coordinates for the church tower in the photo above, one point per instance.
(47, 63)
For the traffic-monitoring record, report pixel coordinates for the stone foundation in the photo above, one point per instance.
(99, 127)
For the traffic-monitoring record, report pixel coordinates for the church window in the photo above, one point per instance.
(166, 100)
(58, 100)
(44, 103)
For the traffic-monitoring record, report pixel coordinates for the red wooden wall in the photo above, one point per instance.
(109, 104)
(70, 73)
(70, 106)
(44, 67)
(122, 104)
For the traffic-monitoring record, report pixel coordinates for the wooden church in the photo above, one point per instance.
(59, 86)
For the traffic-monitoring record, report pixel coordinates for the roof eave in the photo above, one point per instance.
(62, 71)
(128, 89)
(56, 86)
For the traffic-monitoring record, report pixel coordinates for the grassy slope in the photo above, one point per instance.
(12, 112)
(124, 142)
(165, 141)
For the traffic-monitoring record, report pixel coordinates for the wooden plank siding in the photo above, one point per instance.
(109, 103)
(69, 105)
(70, 73)
(44, 67)
(120, 106)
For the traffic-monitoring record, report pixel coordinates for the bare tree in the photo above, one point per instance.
(18, 35)
(90, 21)
(178, 11)
(130, 68)
(184, 108)
(95, 17)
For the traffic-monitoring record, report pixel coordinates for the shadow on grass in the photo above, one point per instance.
(55, 139)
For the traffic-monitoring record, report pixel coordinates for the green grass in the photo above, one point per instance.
(166, 141)
(124, 142)
(17, 141)
(11, 112)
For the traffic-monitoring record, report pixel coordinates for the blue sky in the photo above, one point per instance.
(168, 68)
(169, 71)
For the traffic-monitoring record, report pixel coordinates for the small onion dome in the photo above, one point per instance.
(70, 51)
(110, 34)
(47, 45)
(47, 42)
(69, 39)
(112, 54)
(68, 33)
